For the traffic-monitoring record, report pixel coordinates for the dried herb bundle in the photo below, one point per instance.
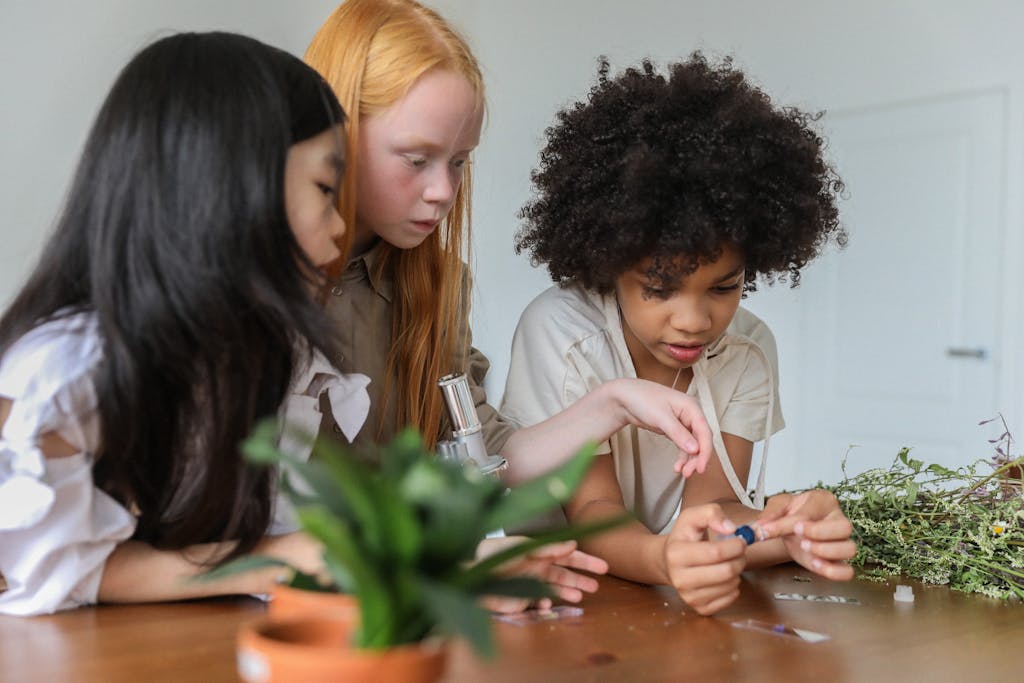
(962, 527)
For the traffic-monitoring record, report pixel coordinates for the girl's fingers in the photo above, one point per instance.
(553, 550)
(836, 529)
(799, 514)
(688, 465)
(568, 594)
(566, 555)
(503, 605)
(708, 591)
(715, 604)
(694, 419)
(694, 523)
(833, 550)
(836, 571)
(775, 508)
(689, 431)
(585, 562)
(706, 563)
(559, 578)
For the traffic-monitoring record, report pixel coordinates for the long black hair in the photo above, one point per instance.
(175, 236)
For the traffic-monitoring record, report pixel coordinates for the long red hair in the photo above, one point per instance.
(372, 52)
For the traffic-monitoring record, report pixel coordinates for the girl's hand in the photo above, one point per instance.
(705, 573)
(814, 530)
(554, 563)
(669, 412)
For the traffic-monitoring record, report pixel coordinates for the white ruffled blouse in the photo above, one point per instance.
(56, 527)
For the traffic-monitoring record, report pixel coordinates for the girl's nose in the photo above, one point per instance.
(690, 316)
(440, 187)
(338, 227)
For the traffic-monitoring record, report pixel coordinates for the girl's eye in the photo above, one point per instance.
(458, 163)
(326, 189)
(725, 289)
(417, 162)
(656, 293)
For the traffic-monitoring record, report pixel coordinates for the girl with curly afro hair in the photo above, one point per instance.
(660, 200)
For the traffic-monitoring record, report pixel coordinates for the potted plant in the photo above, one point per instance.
(400, 538)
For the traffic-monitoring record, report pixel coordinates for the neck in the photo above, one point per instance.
(362, 241)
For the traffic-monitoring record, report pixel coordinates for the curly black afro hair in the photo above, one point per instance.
(674, 168)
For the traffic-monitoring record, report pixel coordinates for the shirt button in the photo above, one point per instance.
(336, 429)
(336, 290)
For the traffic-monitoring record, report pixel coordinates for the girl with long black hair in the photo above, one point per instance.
(172, 308)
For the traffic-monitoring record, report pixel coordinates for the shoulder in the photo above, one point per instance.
(53, 361)
(563, 347)
(745, 354)
(568, 314)
(747, 325)
(54, 352)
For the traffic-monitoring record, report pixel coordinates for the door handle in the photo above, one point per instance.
(963, 352)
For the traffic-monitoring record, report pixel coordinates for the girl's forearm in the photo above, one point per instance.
(137, 572)
(604, 411)
(631, 550)
(533, 450)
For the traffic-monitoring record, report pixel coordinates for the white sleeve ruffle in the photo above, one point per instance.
(56, 528)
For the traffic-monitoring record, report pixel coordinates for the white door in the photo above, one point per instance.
(899, 329)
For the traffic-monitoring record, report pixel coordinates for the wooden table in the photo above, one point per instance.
(628, 633)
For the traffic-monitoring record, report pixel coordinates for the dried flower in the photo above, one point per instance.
(962, 527)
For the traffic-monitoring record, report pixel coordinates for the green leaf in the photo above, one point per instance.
(424, 482)
(404, 451)
(376, 610)
(357, 486)
(912, 489)
(239, 565)
(903, 455)
(261, 446)
(539, 495)
(481, 571)
(935, 468)
(453, 525)
(414, 620)
(401, 529)
(320, 488)
(340, 575)
(308, 582)
(453, 514)
(459, 614)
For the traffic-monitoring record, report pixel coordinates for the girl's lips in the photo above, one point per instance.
(685, 354)
(425, 226)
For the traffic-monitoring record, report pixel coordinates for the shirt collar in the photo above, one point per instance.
(367, 266)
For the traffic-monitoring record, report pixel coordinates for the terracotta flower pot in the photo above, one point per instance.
(317, 650)
(294, 603)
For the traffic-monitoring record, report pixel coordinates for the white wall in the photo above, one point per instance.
(57, 62)
(58, 59)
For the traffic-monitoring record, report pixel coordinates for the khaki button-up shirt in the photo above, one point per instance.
(361, 309)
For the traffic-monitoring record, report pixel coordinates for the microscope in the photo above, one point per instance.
(466, 446)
